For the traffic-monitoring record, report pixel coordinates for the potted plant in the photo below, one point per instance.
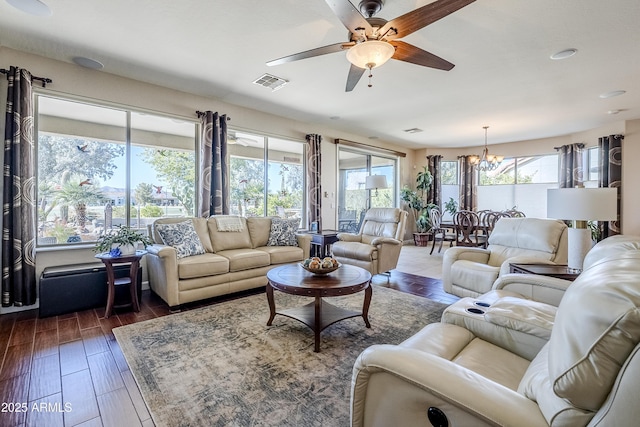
(121, 241)
(419, 208)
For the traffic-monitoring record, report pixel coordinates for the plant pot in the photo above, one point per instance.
(125, 250)
(421, 239)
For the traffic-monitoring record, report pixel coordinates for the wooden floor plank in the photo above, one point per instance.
(118, 355)
(94, 340)
(23, 332)
(117, 410)
(46, 343)
(46, 323)
(68, 330)
(15, 390)
(47, 411)
(77, 390)
(104, 373)
(136, 397)
(87, 319)
(17, 361)
(72, 357)
(45, 377)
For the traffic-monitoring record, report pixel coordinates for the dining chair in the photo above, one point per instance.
(467, 225)
(435, 216)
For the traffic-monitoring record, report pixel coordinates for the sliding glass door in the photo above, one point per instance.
(353, 198)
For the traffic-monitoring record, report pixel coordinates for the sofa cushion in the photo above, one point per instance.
(283, 232)
(595, 330)
(182, 236)
(355, 250)
(520, 314)
(202, 266)
(536, 234)
(224, 240)
(259, 229)
(473, 275)
(200, 225)
(244, 259)
(283, 254)
(535, 385)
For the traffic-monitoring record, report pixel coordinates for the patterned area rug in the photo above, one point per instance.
(222, 366)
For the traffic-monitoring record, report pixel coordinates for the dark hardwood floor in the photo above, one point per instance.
(68, 370)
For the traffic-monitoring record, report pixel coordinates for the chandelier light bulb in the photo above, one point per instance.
(486, 162)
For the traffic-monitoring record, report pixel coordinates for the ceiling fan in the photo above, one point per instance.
(373, 41)
(232, 138)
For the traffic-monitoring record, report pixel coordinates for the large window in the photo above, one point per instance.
(101, 166)
(278, 188)
(353, 198)
(450, 187)
(519, 183)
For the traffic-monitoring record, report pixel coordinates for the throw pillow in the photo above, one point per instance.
(283, 232)
(182, 236)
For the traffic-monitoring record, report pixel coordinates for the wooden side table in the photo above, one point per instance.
(322, 241)
(131, 281)
(551, 270)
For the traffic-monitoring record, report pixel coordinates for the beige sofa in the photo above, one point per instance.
(469, 272)
(233, 260)
(582, 371)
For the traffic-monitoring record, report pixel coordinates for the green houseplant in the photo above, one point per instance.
(451, 206)
(416, 200)
(122, 240)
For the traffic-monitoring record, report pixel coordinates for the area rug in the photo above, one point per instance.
(222, 366)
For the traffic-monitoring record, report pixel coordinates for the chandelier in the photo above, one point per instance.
(486, 161)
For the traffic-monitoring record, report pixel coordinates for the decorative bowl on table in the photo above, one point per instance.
(320, 266)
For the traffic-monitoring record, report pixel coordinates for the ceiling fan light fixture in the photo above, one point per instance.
(370, 54)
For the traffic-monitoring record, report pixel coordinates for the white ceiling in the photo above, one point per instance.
(503, 75)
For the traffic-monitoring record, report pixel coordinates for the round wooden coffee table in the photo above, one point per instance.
(293, 279)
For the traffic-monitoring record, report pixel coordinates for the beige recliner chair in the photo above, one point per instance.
(376, 247)
(585, 374)
(469, 272)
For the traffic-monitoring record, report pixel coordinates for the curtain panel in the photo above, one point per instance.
(571, 165)
(214, 179)
(19, 207)
(610, 167)
(468, 184)
(314, 188)
(434, 195)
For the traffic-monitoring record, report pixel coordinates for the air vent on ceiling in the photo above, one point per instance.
(413, 130)
(270, 81)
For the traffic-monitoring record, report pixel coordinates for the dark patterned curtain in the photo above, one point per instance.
(214, 179)
(468, 184)
(610, 167)
(314, 188)
(434, 195)
(571, 165)
(19, 209)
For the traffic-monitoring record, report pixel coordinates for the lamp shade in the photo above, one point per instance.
(370, 54)
(582, 204)
(375, 181)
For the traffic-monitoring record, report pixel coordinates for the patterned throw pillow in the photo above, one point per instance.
(283, 232)
(182, 236)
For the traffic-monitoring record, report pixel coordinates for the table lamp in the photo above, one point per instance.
(581, 205)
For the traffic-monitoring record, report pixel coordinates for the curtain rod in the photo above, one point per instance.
(44, 80)
(202, 113)
(370, 147)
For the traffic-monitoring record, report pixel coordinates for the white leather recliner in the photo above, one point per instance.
(469, 272)
(376, 247)
(585, 373)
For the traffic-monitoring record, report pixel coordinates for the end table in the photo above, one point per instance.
(131, 280)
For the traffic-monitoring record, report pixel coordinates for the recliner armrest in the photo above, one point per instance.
(548, 290)
(465, 397)
(382, 240)
(349, 237)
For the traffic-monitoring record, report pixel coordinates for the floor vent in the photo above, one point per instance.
(270, 81)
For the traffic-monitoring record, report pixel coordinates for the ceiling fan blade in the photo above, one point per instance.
(355, 74)
(409, 53)
(421, 17)
(349, 16)
(332, 48)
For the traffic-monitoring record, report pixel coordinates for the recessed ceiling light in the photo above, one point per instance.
(564, 54)
(612, 94)
(613, 111)
(32, 7)
(88, 63)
